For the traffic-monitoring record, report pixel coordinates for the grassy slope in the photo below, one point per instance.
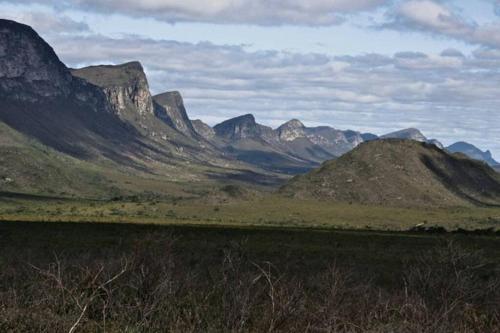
(29, 167)
(400, 173)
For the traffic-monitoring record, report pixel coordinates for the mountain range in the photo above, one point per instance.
(71, 129)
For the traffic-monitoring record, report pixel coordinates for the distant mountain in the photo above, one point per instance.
(407, 134)
(473, 152)
(292, 143)
(248, 141)
(244, 127)
(412, 134)
(369, 136)
(400, 173)
(203, 129)
(291, 130)
(90, 123)
(100, 117)
(172, 110)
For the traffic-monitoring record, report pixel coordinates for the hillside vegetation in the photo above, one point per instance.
(400, 173)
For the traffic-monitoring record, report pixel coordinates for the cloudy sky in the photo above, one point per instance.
(369, 65)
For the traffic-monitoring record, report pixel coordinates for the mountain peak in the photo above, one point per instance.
(407, 134)
(240, 127)
(173, 112)
(29, 67)
(125, 85)
(294, 123)
(291, 130)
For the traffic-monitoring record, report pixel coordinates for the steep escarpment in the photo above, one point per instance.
(400, 173)
(29, 67)
(41, 99)
(126, 88)
(171, 109)
(203, 129)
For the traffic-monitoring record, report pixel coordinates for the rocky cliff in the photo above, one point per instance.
(125, 86)
(171, 110)
(291, 130)
(203, 129)
(40, 98)
(29, 67)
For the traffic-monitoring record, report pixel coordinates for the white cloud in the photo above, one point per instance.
(432, 15)
(46, 22)
(440, 19)
(258, 12)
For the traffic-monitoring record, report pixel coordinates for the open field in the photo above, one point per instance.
(221, 208)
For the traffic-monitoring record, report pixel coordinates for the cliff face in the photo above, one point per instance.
(29, 67)
(203, 129)
(125, 86)
(238, 128)
(172, 111)
(40, 98)
(291, 130)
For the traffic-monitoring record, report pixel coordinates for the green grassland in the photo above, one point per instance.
(232, 206)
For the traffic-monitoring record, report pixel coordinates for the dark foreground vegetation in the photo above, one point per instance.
(128, 278)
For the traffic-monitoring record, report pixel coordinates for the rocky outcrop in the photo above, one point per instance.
(291, 130)
(334, 141)
(125, 86)
(242, 127)
(203, 129)
(31, 72)
(41, 99)
(29, 68)
(171, 110)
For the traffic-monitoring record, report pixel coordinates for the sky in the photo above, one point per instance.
(368, 65)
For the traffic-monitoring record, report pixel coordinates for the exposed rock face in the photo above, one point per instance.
(29, 67)
(407, 134)
(203, 129)
(291, 130)
(172, 111)
(473, 152)
(238, 128)
(41, 99)
(125, 86)
(334, 141)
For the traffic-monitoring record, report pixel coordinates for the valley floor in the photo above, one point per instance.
(253, 211)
